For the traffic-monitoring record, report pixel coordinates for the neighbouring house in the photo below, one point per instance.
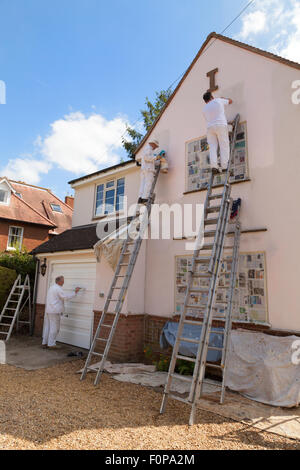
(30, 215)
(265, 176)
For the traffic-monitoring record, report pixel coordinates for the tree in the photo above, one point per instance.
(149, 116)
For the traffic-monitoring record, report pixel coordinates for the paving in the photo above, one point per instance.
(26, 352)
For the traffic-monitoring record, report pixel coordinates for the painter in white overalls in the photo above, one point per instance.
(147, 160)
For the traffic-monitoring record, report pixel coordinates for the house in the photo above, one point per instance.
(265, 176)
(30, 215)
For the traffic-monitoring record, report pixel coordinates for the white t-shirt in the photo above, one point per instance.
(55, 299)
(214, 112)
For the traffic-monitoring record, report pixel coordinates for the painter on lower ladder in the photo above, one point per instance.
(217, 130)
(56, 297)
(147, 161)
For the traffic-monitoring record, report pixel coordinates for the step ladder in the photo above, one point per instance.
(207, 269)
(119, 286)
(18, 298)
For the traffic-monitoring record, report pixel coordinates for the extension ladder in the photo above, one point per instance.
(207, 268)
(18, 297)
(123, 273)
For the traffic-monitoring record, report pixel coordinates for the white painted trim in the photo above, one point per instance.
(64, 253)
(10, 248)
(104, 176)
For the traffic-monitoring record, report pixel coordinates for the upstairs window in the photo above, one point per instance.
(198, 162)
(110, 197)
(56, 207)
(15, 238)
(3, 196)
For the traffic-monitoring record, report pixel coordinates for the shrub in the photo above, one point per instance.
(7, 278)
(21, 261)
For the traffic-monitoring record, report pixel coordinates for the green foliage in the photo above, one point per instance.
(162, 362)
(7, 278)
(21, 261)
(149, 115)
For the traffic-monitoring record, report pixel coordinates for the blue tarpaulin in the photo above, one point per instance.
(169, 333)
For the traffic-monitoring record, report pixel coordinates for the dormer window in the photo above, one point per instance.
(3, 196)
(56, 207)
(19, 195)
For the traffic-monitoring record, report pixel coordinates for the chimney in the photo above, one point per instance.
(70, 201)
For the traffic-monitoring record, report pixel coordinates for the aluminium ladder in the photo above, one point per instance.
(124, 270)
(209, 275)
(18, 297)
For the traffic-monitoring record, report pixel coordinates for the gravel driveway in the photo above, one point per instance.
(51, 409)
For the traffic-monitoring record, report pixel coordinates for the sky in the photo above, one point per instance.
(76, 72)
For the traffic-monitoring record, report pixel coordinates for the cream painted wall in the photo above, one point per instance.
(261, 90)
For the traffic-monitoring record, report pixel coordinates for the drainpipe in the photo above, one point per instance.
(36, 277)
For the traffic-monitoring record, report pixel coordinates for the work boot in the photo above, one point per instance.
(54, 347)
(44, 346)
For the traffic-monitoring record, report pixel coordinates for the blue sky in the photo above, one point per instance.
(77, 70)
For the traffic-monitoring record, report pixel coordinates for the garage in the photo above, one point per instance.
(77, 322)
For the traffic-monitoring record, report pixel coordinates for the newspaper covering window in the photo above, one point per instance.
(250, 296)
(198, 162)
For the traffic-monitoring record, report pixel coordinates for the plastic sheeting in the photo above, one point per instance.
(261, 367)
(110, 247)
(169, 333)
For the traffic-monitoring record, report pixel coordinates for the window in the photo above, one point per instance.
(3, 196)
(198, 162)
(56, 207)
(250, 299)
(15, 238)
(109, 197)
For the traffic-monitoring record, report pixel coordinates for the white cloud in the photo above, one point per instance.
(77, 143)
(25, 169)
(277, 25)
(253, 23)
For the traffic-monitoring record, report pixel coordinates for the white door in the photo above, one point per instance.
(77, 322)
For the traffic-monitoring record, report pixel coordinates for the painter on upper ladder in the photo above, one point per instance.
(147, 160)
(217, 130)
(53, 311)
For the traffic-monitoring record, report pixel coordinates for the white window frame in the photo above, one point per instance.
(11, 248)
(54, 210)
(7, 200)
(105, 190)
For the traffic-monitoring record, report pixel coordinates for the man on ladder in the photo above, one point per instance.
(217, 130)
(147, 161)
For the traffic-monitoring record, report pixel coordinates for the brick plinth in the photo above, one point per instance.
(128, 340)
(39, 319)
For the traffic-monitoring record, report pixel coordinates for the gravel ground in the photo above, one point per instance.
(52, 409)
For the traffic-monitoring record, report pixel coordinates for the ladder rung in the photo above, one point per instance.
(215, 384)
(203, 259)
(7, 316)
(193, 322)
(218, 332)
(183, 400)
(107, 326)
(113, 300)
(210, 210)
(198, 307)
(186, 358)
(214, 348)
(215, 196)
(101, 339)
(97, 354)
(199, 289)
(184, 378)
(10, 309)
(209, 233)
(215, 366)
(124, 264)
(202, 275)
(26, 322)
(211, 221)
(188, 340)
(5, 324)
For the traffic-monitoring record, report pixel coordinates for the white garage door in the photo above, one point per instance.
(76, 324)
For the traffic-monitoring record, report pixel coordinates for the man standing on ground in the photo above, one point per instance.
(147, 160)
(54, 308)
(217, 130)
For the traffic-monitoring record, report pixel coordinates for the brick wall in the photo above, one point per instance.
(128, 341)
(39, 319)
(33, 235)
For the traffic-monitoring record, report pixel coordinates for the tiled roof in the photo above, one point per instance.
(19, 211)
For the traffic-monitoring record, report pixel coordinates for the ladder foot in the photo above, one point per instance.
(163, 404)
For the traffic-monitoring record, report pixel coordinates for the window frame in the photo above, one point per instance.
(7, 193)
(11, 248)
(54, 210)
(106, 189)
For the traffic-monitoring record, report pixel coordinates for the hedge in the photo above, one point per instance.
(7, 278)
